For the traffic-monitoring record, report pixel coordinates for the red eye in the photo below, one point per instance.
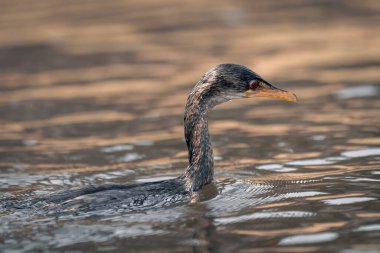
(253, 84)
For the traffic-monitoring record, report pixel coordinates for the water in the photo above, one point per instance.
(98, 98)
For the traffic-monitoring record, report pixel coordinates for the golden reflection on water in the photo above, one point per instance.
(285, 249)
(365, 141)
(314, 228)
(331, 170)
(368, 215)
(74, 118)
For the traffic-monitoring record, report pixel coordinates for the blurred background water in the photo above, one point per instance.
(93, 92)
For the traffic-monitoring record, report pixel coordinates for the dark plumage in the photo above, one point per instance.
(220, 84)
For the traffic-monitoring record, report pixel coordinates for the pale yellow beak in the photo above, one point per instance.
(272, 93)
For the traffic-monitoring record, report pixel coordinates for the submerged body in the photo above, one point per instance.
(115, 197)
(220, 84)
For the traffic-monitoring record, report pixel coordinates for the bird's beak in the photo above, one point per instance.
(267, 90)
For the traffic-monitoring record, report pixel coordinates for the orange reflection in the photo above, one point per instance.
(314, 228)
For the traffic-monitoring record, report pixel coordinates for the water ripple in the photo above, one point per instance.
(362, 152)
(275, 167)
(311, 162)
(309, 239)
(344, 201)
(116, 148)
(262, 215)
(365, 228)
(361, 91)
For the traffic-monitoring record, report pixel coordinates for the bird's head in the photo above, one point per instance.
(230, 81)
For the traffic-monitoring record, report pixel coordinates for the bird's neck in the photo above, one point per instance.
(200, 170)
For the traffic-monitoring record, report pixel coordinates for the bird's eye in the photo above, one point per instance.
(253, 84)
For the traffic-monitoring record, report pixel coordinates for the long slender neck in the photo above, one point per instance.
(200, 170)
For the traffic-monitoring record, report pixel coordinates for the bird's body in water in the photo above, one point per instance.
(220, 84)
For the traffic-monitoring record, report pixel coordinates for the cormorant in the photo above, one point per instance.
(220, 84)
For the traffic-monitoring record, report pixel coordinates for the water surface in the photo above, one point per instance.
(93, 93)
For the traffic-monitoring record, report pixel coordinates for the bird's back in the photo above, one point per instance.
(110, 197)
